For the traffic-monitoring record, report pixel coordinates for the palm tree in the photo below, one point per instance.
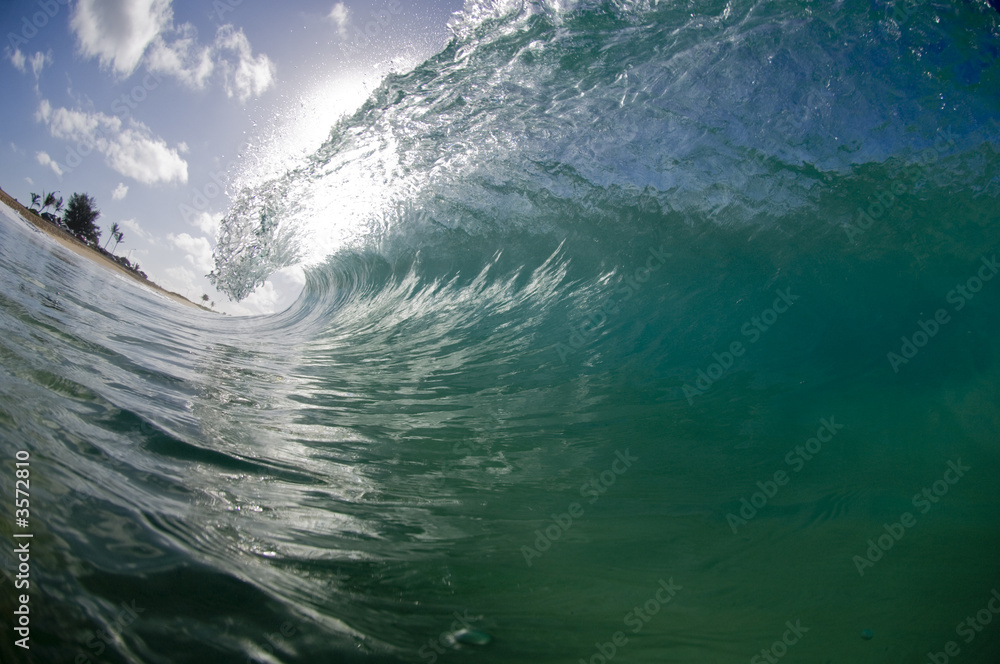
(119, 236)
(115, 229)
(50, 201)
(35, 200)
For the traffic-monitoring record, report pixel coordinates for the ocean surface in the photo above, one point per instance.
(633, 332)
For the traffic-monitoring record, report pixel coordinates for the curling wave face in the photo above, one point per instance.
(600, 334)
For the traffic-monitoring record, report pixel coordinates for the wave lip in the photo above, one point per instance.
(551, 118)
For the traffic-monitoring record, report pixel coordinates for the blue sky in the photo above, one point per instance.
(148, 104)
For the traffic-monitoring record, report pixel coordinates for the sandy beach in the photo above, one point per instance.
(71, 243)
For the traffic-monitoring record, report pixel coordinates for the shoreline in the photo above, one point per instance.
(72, 244)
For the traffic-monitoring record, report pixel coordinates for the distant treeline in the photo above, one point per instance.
(79, 217)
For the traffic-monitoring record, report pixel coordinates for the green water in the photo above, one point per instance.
(617, 364)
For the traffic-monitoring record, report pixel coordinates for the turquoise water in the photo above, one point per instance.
(632, 331)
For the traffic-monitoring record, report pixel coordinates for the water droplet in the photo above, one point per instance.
(867, 635)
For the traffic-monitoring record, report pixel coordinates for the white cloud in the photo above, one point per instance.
(18, 59)
(38, 62)
(76, 125)
(208, 223)
(132, 151)
(45, 160)
(264, 300)
(198, 250)
(120, 192)
(119, 31)
(149, 160)
(123, 34)
(133, 227)
(184, 281)
(340, 16)
(277, 294)
(183, 58)
(44, 111)
(247, 76)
